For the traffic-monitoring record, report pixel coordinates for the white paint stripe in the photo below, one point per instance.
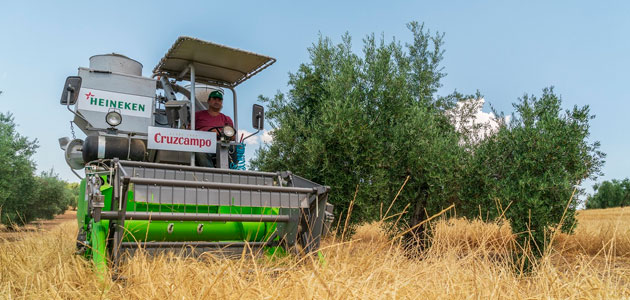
(101, 147)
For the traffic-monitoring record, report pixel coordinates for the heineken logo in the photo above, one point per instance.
(98, 102)
(114, 103)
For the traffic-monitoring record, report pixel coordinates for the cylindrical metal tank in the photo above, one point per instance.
(99, 147)
(117, 63)
(191, 231)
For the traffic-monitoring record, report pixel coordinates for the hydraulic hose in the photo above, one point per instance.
(239, 164)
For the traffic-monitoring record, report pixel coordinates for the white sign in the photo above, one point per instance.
(182, 140)
(104, 101)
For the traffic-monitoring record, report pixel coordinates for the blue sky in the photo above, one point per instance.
(501, 48)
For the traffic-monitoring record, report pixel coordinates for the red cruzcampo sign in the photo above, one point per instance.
(181, 140)
(173, 140)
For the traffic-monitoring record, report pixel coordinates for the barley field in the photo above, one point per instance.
(467, 259)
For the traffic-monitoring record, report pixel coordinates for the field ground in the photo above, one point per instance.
(467, 260)
(39, 225)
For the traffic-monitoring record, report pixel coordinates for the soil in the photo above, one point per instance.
(7, 235)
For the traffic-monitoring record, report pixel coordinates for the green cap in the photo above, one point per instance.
(215, 94)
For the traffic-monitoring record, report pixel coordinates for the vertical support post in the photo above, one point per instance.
(192, 106)
(121, 187)
(316, 216)
(288, 231)
(114, 232)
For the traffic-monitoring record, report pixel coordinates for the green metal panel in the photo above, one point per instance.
(107, 190)
(82, 218)
(142, 230)
(98, 242)
(173, 231)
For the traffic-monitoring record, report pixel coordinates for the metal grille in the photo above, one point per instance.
(229, 189)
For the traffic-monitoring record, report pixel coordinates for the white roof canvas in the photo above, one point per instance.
(214, 64)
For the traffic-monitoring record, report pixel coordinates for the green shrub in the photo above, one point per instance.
(613, 193)
(25, 197)
(17, 183)
(374, 119)
(533, 165)
(369, 120)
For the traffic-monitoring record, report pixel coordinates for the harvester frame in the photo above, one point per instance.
(135, 195)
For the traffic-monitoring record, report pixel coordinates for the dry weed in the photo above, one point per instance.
(461, 263)
(600, 232)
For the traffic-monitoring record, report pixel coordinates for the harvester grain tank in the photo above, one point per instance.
(141, 186)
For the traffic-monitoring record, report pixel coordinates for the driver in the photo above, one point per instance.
(207, 119)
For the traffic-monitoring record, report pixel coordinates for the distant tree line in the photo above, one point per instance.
(374, 119)
(614, 193)
(25, 196)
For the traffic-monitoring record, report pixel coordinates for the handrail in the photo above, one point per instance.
(217, 185)
(174, 216)
(192, 168)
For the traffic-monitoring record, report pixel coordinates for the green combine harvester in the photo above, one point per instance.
(142, 187)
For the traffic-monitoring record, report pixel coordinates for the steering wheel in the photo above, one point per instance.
(221, 132)
(219, 129)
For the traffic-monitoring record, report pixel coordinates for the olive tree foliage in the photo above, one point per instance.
(24, 196)
(53, 196)
(613, 193)
(16, 173)
(370, 121)
(73, 187)
(530, 169)
(365, 122)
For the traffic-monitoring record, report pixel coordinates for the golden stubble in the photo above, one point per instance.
(467, 259)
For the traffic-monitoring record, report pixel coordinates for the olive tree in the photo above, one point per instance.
(364, 123)
(369, 120)
(529, 171)
(612, 193)
(25, 197)
(17, 183)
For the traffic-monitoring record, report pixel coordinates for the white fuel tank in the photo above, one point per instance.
(116, 63)
(114, 82)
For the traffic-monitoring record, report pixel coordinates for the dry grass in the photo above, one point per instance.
(39, 225)
(601, 232)
(467, 259)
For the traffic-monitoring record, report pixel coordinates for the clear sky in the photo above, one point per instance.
(501, 48)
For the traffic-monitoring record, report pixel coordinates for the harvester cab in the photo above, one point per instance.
(142, 187)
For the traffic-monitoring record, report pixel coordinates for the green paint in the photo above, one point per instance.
(139, 230)
(98, 241)
(322, 259)
(82, 217)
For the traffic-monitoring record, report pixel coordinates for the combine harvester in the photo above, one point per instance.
(142, 187)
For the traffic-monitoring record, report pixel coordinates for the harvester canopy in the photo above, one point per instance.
(215, 64)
